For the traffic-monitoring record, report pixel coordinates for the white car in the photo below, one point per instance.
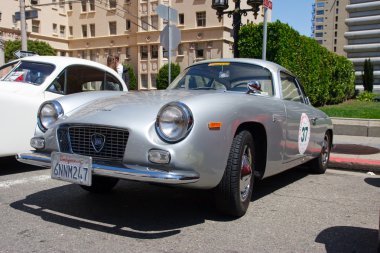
(26, 83)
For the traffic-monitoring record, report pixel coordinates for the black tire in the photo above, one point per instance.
(101, 184)
(234, 192)
(319, 164)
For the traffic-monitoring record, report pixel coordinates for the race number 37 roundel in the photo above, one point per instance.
(303, 133)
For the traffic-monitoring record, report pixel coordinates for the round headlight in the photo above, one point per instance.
(174, 122)
(48, 114)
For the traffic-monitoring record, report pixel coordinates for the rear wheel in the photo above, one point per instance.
(234, 192)
(101, 184)
(319, 164)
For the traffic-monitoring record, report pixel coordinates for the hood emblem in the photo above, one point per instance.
(98, 141)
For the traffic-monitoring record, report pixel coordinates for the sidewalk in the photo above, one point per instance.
(360, 153)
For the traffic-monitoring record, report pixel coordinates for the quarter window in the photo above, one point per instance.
(290, 90)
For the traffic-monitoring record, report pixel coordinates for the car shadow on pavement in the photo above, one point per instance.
(372, 181)
(134, 209)
(9, 165)
(348, 239)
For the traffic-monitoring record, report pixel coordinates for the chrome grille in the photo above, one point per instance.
(77, 140)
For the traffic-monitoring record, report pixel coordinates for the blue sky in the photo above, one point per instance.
(296, 13)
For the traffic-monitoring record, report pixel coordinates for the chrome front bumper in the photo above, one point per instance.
(130, 172)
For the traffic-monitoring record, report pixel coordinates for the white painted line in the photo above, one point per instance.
(9, 183)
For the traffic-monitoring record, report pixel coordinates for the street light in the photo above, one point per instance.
(221, 5)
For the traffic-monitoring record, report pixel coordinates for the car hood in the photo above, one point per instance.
(18, 88)
(116, 110)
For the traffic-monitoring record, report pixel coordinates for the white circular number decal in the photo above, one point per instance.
(303, 133)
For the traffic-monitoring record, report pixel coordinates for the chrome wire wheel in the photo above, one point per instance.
(245, 173)
(325, 152)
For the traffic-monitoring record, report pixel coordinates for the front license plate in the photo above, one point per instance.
(71, 168)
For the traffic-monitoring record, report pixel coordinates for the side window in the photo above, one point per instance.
(58, 85)
(111, 83)
(290, 90)
(79, 78)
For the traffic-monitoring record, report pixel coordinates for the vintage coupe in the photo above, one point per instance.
(27, 82)
(220, 125)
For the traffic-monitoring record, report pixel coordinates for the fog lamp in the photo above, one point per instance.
(159, 156)
(37, 142)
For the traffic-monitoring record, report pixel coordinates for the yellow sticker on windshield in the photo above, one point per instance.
(219, 64)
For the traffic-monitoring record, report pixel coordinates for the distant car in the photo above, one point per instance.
(27, 82)
(219, 125)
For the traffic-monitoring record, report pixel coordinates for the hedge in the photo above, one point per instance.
(327, 77)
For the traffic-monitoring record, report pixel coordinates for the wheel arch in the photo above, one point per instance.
(259, 135)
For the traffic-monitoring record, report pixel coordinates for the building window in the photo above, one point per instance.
(62, 31)
(319, 19)
(84, 31)
(62, 4)
(165, 53)
(318, 35)
(70, 6)
(112, 27)
(127, 52)
(334, 49)
(84, 5)
(334, 41)
(92, 5)
(320, 42)
(180, 49)
(35, 26)
(181, 19)
(127, 25)
(154, 22)
(144, 81)
(199, 50)
(92, 30)
(144, 52)
(337, 11)
(336, 18)
(113, 4)
(321, 4)
(337, 3)
(319, 27)
(336, 26)
(55, 27)
(144, 23)
(154, 52)
(320, 12)
(153, 78)
(336, 34)
(71, 31)
(201, 18)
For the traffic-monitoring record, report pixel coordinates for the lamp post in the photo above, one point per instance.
(221, 5)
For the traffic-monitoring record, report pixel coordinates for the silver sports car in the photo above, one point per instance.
(220, 125)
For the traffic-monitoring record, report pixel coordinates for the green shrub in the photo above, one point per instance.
(163, 73)
(132, 84)
(366, 96)
(327, 77)
(367, 76)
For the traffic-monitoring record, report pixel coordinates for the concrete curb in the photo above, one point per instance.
(356, 127)
(359, 164)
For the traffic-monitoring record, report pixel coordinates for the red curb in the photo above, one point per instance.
(354, 161)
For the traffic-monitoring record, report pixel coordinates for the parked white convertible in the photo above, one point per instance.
(28, 82)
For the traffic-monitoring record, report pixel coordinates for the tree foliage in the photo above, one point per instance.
(132, 84)
(39, 47)
(367, 75)
(162, 78)
(327, 77)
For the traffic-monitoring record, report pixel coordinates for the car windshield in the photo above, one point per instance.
(24, 71)
(230, 76)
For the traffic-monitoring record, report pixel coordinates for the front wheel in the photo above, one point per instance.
(319, 164)
(234, 192)
(101, 184)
